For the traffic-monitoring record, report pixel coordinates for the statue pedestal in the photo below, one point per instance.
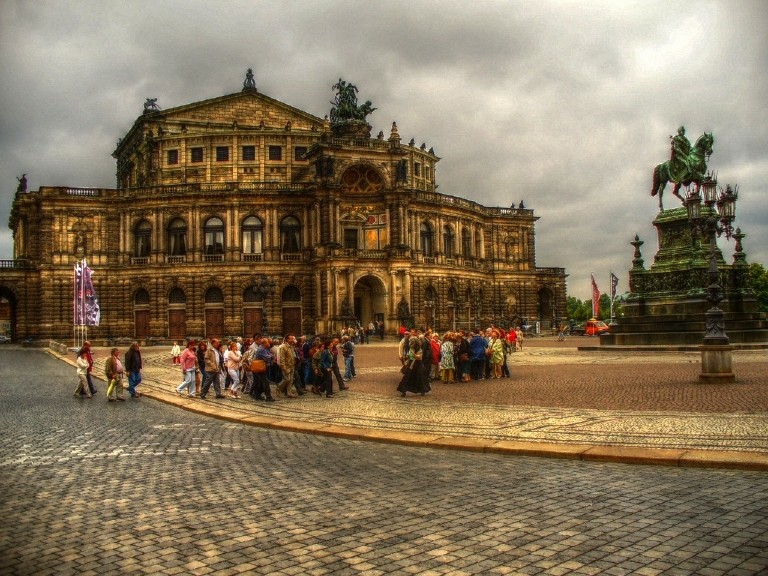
(716, 365)
(668, 301)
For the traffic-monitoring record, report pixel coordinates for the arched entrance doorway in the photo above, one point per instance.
(141, 314)
(177, 314)
(253, 311)
(7, 313)
(214, 312)
(291, 298)
(370, 300)
(546, 311)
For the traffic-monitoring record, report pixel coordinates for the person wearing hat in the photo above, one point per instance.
(188, 367)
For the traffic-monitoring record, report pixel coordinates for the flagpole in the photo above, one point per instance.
(613, 290)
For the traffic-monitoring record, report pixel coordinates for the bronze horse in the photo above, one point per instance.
(692, 169)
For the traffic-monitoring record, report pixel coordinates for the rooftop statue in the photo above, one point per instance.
(249, 83)
(687, 164)
(151, 104)
(22, 187)
(345, 107)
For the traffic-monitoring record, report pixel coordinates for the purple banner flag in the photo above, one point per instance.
(86, 302)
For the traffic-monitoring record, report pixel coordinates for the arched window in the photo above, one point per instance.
(177, 237)
(453, 296)
(291, 294)
(214, 295)
(290, 235)
(427, 247)
(252, 231)
(251, 295)
(466, 243)
(430, 294)
(449, 242)
(177, 296)
(142, 239)
(141, 297)
(214, 236)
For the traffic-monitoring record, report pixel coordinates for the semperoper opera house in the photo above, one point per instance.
(242, 215)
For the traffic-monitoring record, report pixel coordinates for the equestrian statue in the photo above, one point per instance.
(687, 164)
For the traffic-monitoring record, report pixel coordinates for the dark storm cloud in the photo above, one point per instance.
(565, 105)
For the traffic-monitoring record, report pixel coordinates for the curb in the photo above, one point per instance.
(682, 458)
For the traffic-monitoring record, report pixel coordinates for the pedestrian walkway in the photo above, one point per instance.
(625, 406)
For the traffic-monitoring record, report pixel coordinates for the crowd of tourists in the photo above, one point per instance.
(294, 365)
(459, 356)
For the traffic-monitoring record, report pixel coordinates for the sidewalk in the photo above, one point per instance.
(560, 402)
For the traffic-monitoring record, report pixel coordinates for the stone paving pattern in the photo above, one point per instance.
(90, 488)
(556, 394)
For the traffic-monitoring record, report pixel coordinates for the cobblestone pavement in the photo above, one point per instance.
(90, 487)
(556, 394)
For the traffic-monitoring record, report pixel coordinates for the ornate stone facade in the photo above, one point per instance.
(241, 214)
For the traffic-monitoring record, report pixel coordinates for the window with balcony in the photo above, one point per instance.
(142, 239)
(351, 238)
(290, 235)
(427, 236)
(466, 243)
(177, 238)
(252, 237)
(449, 242)
(214, 236)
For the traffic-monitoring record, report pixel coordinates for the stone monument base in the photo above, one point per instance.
(668, 302)
(716, 365)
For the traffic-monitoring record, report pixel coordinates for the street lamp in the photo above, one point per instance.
(711, 218)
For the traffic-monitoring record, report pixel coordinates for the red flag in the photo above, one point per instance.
(595, 298)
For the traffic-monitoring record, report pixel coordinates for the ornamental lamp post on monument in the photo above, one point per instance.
(712, 216)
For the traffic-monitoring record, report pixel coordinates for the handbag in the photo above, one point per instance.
(258, 366)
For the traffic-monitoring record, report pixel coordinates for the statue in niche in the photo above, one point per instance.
(79, 244)
(403, 310)
(346, 309)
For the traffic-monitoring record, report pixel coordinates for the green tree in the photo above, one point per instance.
(578, 310)
(757, 280)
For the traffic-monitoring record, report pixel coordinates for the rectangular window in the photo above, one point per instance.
(197, 154)
(275, 153)
(299, 152)
(249, 153)
(350, 238)
(222, 153)
(416, 169)
(173, 156)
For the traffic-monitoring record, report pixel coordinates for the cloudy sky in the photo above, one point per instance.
(565, 105)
